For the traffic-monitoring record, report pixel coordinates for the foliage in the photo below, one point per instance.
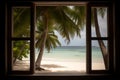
(21, 21)
(21, 28)
(65, 20)
(52, 39)
(20, 49)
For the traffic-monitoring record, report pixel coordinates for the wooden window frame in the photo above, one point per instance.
(10, 38)
(110, 37)
(88, 36)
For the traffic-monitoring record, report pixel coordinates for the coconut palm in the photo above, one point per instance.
(51, 41)
(94, 21)
(55, 17)
(79, 14)
(100, 11)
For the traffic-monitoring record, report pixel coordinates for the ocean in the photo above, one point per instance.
(66, 53)
(73, 54)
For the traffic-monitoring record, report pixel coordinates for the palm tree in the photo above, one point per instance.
(79, 14)
(105, 55)
(55, 17)
(94, 20)
(51, 41)
(51, 16)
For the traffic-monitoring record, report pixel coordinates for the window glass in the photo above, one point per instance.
(98, 62)
(21, 22)
(21, 55)
(99, 22)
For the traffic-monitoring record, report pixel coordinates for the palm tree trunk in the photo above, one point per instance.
(44, 36)
(39, 58)
(101, 44)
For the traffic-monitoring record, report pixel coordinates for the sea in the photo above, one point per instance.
(72, 53)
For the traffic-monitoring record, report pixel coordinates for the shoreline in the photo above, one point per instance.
(58, 66)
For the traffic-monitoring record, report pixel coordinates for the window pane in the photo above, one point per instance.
(21, 55)
(21, 22)
(99, 22)
(97, 56)
(67, 57)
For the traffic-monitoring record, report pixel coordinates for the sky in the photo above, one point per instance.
(76, 41)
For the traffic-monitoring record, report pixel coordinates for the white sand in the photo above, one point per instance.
(58, 66)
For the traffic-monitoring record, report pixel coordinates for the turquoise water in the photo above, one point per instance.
(73, 53)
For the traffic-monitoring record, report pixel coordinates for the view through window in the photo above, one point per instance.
(65, 39)
(60, 39)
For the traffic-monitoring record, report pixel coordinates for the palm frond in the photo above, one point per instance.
(101, 11)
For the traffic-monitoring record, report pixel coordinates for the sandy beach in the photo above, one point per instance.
(57, 66)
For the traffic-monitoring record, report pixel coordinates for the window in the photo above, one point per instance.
(69, 58)
(27, 37)
(20, 42)
(103, 37)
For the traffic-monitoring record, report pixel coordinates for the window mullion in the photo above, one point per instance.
(32, 38)
(99, 38)
(88, 37)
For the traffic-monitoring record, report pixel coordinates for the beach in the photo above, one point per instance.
(63, 66)
(57, 66)
(64, 59)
